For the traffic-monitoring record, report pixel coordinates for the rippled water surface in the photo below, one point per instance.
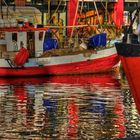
(86, 107)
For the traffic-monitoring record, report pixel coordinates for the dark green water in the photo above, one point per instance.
(86, 107)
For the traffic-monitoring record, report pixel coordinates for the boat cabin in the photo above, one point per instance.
(12, 39)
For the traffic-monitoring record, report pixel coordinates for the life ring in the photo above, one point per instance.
(21, 57)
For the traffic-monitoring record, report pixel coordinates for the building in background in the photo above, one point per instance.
(62, 12)
(59, 8)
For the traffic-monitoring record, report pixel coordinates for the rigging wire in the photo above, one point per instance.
(55, 10)
(65, 5)
(97, 14)
(82, 6)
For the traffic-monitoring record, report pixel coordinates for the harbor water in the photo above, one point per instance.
(83, 107)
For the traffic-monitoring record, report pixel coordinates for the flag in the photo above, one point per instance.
(118, 13)
(72, 6)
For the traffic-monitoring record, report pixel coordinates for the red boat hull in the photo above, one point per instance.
(84, 67)
(130, 58)
(131, 67)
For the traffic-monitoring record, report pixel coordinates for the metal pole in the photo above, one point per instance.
(106, 6)
(1, 9)
(98, 15)
(66, 24)
(42, 18)
(49, 10)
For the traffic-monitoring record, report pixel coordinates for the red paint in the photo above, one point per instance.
(131, 67)
(73, 119)
(120, 121)
(22, 29)
(84, 80)
(20, 93)
(71, 13)
(118, 13)
(26, 24)
(21, 57)
(84, 67)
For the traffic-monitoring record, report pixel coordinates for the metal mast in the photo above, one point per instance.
(1, 9)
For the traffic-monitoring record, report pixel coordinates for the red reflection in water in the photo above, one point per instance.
(73, 109)
(120, 122)
(21, 96)
(73, 119)
(20, 93)
(102, 79)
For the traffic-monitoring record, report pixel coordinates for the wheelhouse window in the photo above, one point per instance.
(2, 35)
(14, 36)
(41, 36)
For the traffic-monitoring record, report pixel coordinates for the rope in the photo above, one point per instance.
(73, 26)
(98, 15)
(82, 6)
(64, 7)
(55, 10)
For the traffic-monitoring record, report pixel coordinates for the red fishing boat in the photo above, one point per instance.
(27, 57)
(129, 52)
(130, 58)
(27, 49)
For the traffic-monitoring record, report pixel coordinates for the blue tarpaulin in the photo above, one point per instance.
(50, 43)
(97, 40)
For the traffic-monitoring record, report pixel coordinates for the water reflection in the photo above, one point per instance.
(131, 113)
(62, 107)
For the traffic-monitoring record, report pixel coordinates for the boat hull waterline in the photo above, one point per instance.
(104, 60)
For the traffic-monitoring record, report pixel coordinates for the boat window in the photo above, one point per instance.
(14, 36)
(40, 36)
(2, 35)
